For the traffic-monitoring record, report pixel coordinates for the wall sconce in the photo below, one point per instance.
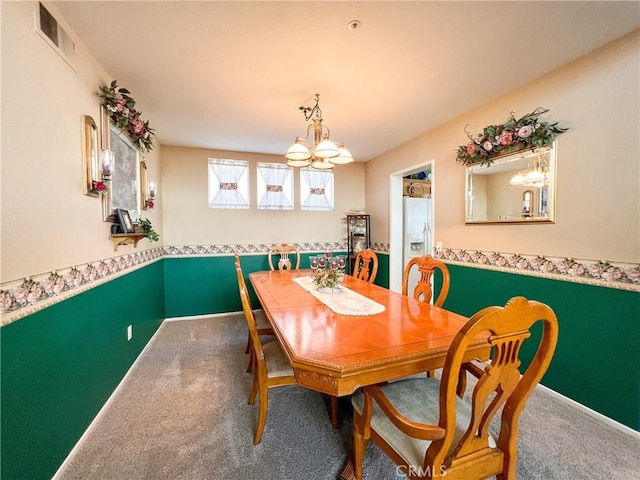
(149, 201)
(107, 165)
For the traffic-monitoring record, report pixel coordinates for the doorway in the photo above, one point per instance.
(396, 220)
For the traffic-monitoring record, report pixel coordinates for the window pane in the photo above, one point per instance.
(316, 189)
(275, 186)
(228, 183)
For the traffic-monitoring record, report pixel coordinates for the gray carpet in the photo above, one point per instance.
(182, 413)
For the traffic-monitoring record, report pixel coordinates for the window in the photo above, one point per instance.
(316, 189)
(228, 183)
(275, 186)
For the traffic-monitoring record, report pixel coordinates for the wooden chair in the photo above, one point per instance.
(271, 367)
(429, 431)
(366, 265)
(284, 250)
(272, 362)
(426, 267)
(262, 324)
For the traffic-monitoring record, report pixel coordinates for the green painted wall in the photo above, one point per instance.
(203, 285)
(597, 360)
(382, 278)
(61, 364)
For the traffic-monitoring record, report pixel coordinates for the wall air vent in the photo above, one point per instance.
(55, 35)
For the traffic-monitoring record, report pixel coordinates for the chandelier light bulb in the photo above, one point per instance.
(517, 179)
(343, 157)
(322, 164)
(298, 151)
(326, 149)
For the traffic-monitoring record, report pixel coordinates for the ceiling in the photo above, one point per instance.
(231, 75)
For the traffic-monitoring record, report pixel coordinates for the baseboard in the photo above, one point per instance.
(103, 409)
(200, 317)
(603, 418)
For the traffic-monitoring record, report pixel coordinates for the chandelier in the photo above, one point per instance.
(322, 153)
(536, 175)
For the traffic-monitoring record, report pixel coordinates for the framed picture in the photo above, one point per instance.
(125, 220)
(124, 192)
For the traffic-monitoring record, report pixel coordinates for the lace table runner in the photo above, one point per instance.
(341, 300)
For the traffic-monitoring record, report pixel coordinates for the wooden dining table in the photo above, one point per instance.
(335, 353)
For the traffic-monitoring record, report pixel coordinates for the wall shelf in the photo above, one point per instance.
(126, 239)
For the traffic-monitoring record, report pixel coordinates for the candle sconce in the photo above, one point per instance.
(152, 194)
(149, 189)
(107, 164)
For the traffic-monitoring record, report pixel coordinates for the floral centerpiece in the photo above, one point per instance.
(121, 109)
(512, 136)
(328, 271)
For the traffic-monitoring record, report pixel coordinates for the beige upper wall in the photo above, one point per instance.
(188, 220)
(598, 202)
(47, 221)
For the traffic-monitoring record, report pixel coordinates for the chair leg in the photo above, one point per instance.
(462, 383)
(252, 359)
(359, 446)
(262, 413)
(334, 411)
(246, 349)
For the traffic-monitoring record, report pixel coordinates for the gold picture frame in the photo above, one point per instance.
(90, 156)
(144, 185)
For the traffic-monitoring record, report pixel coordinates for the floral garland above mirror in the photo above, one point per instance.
(120, 108)
(512, 136)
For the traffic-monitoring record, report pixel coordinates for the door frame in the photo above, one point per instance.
(395, 220)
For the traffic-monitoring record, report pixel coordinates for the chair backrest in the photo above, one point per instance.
(366, 265)
(499, 386)
(284, 250)
(248, 315)
(426, 268)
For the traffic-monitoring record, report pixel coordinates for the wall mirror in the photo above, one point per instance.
(516, 188)
(90, 156)
(144, 185)
(125, 176)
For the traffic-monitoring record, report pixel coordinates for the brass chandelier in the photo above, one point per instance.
(322, 153)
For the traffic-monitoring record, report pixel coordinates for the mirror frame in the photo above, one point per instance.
(144, 185)
(90, 156)
(501, 164)
(127, 150)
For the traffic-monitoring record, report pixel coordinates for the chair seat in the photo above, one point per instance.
(261, 320)
(277, 363)
(416, 399)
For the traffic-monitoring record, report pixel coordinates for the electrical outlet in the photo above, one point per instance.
(438, 246)
(129, 332)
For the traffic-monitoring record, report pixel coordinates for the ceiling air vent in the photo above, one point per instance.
(55, 35)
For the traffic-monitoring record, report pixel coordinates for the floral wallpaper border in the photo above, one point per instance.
(261, 248)
(623, 276)
(26, 296)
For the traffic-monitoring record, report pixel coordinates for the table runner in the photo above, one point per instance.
(342, 300)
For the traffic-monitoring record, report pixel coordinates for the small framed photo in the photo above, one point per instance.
(125, 220)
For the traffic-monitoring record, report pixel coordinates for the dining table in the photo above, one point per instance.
(358, 334)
